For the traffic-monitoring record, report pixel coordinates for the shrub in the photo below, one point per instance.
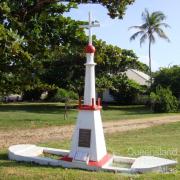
(1, 98)
(168, 77)
(32, 94)
(51, 93)
(62, 95)
(162, 100)
(124, 90)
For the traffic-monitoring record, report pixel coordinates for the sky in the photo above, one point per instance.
(115, 31)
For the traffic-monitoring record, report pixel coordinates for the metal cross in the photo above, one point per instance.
(89, 26)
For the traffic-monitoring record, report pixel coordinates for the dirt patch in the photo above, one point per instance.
(34, 136)
(128, 125)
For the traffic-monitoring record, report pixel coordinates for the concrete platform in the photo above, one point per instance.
(143, 164)
(154, 164)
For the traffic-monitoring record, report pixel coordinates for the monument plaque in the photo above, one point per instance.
(84, 137)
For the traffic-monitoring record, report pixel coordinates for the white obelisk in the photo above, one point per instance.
(88, 143)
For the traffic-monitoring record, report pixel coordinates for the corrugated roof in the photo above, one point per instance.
(141, 74)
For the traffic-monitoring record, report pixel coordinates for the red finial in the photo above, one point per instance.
(90, 49)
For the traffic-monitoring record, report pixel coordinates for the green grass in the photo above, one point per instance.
(163, 141)
(52, 156)
(35, 115)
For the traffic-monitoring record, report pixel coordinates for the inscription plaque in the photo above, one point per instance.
(84, 137)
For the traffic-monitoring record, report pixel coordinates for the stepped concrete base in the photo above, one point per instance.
(32, 153)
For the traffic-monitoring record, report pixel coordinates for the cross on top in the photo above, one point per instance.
(90, 26)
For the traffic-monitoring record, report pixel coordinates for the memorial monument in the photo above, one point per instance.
(88, 147)
(88, 141)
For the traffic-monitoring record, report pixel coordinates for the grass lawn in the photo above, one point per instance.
(163, 141)
(35, 115)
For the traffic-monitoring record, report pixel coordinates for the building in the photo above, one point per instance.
(138, 76)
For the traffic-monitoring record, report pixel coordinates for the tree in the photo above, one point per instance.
(67, 69)
(36, 33)
(103, 83)
(124, 90)
(26, 8)
(114, 60)
(162, 100)
(168, 78)
(29, 42)
(116, 8)
(15, 62)
(152, 24)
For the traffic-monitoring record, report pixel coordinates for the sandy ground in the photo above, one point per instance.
(35, 136)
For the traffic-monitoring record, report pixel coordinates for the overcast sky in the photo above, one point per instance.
(115, 31)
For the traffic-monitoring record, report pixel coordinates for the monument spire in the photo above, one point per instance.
(90, 30)
(89, 90)
(89, 26)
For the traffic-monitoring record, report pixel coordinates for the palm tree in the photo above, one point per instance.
(152, 24)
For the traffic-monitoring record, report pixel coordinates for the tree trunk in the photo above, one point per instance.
(150, 72)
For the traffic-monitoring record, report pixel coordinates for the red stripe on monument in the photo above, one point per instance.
(66, 158)
(100, 163)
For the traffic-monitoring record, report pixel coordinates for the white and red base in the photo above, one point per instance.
(32, 154)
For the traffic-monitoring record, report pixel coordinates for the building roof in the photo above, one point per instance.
(138, 76)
